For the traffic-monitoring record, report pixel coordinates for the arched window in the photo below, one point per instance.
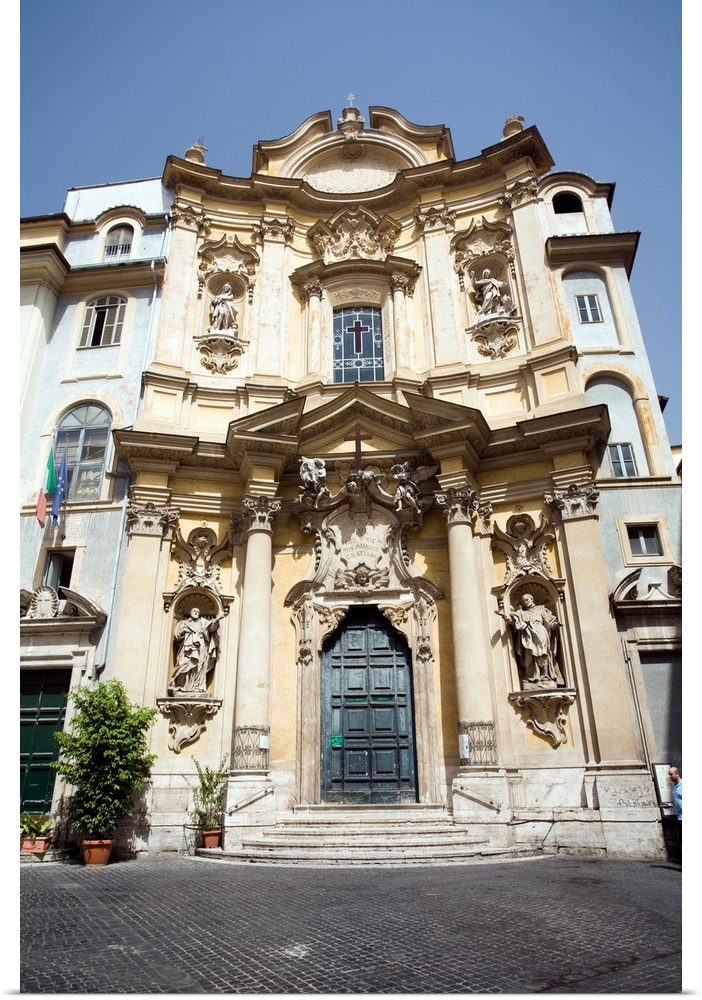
(624, 456)
(103, 322)
(566, 203)
(358, 345)
(118, 244)
(83, 433)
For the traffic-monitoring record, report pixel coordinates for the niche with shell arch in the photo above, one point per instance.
(190, 701)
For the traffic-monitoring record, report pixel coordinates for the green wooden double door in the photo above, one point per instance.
(368, 749)
(43, 698)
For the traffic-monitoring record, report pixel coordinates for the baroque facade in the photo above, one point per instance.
(387, 514)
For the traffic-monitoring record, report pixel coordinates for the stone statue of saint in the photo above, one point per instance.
(490, 291)
(536, 630)
(197, 652)
(224, 312)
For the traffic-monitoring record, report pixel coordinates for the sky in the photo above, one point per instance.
(110, 90)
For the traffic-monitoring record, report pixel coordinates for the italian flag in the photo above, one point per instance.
(49, 488)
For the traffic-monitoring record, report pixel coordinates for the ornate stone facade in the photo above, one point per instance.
(428, 591)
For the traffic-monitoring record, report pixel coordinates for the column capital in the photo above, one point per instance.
(258, 513)
(150, 519)
(578, 500)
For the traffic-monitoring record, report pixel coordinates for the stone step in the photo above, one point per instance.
(357, 841)
(453, 854)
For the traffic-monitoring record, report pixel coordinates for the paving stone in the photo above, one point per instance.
(191, 925)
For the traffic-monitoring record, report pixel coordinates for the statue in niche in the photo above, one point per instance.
(536, 631)
(197, 652)
(492, 301)
(224, 311)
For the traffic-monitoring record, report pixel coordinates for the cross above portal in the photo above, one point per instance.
(358, 437)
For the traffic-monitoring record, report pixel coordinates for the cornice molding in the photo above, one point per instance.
(609, 248)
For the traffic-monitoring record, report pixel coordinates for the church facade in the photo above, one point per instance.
(401, 538)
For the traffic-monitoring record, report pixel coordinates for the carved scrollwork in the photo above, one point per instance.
(494, 338)
(187, 718)
(227, 260)
(220, 352)
(546, 713)
(355, 233)
(524, 547)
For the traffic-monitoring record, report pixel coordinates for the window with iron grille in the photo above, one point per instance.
(622, 458)
(103, 322)
(588, 308)
(358, 345)
(118, 245)
(83, 433)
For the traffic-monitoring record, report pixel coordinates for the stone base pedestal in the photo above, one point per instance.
(250, 805)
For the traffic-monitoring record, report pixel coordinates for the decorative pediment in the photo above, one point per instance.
(227, 257)
(44, 610)
(483, 242)
(355, 233)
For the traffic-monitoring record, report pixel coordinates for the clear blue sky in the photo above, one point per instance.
(109, 90)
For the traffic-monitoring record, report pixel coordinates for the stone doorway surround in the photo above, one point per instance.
(359, 560)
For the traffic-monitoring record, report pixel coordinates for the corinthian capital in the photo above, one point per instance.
(576, 501)
(259, 513)
(460, 506)
(148, 519)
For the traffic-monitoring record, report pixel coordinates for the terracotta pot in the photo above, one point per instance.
(97, 852)
(34, 845)
(211, 838)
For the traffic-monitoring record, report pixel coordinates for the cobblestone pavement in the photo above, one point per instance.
(192, 925)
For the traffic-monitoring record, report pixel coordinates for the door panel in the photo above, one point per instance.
(43, 698)
(367, 723)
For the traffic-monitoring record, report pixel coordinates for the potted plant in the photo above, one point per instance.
(35, 833)
(104, 757)
(209, 799)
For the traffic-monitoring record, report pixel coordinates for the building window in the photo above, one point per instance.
(59, 569)
(118, 244)
(644, 540)
(358, 345)
(622, 458)
(566, 203)
(103, 322)
(83, 435)
(588, 308)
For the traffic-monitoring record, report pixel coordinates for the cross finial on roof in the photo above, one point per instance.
(351, 97)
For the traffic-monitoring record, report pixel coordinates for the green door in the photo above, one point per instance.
(43, 698)
(367, 721)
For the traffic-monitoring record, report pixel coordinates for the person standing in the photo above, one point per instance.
(676, 782)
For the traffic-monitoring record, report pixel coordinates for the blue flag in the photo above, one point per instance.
(60, 492)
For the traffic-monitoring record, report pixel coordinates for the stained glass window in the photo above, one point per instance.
(358, 345)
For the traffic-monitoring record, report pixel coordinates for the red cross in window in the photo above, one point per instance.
(358, 329)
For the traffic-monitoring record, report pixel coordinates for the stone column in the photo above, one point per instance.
(313, 290)
(399, 290)
(471, 642)
(251, 729)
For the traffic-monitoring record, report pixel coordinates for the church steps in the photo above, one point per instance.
(365, 855)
